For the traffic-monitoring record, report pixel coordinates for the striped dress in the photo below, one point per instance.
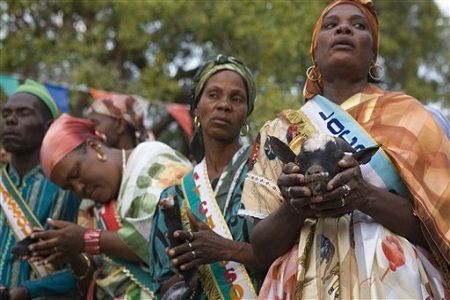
(46, 201)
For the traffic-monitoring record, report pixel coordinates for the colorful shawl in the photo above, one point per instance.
(227, 198)
(151, 167)
(412, 140)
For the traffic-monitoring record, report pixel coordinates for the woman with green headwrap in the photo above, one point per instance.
(214, 240)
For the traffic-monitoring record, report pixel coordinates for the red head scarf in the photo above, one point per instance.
(64, 135)
(312, 88)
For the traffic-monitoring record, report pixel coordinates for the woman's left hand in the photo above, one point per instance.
(202, 246)
(347, 191)
(60, 244)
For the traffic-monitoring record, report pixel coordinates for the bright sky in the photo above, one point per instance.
(444, 5)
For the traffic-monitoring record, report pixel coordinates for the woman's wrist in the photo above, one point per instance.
(81, 266)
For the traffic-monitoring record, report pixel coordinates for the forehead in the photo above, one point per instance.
(226, 76)
(345, 10)
(23, 100)
(65, 165)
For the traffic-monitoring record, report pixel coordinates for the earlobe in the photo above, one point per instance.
(101, 155)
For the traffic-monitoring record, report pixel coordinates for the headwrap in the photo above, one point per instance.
(223, 62)
(38, 90)
(313, 88)
(121, 107)
(64, 135)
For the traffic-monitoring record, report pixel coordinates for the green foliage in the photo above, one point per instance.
(151, 48)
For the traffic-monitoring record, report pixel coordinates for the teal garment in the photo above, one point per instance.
(240, 228)
(46, 201)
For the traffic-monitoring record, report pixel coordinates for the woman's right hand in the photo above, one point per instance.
(294, 191)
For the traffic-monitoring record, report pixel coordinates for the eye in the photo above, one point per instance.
(238, 99)
(360, 26)
(329, 25)
(213, 95)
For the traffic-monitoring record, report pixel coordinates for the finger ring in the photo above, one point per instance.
(342, 201)
(289, 191)
(191, 236)
(346, 189)
(193, 254)
(55, 249)
(190, 246)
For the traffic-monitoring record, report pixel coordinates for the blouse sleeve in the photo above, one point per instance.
(261, 195)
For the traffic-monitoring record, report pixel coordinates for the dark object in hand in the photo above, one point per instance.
(319, 156)
(21, 248)
(172, 218)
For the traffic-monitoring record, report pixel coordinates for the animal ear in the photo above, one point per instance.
(281, 150)
(363, 156)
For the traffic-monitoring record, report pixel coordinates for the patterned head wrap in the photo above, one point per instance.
(223, 62)
(312, 88)
(121, 107)
(72, 131)
(38, 90)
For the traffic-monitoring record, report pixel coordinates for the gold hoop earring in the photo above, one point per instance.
(244, 130)
(196, 122)
(376, 72)
(311, 74)
(101, 156)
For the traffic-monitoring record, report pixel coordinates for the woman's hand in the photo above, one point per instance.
(347, 191)
(60, 244)
(202, 246)
(294, 191)
(19, 293)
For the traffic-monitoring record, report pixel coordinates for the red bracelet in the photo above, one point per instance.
(92, 241)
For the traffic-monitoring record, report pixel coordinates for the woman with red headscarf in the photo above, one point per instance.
(126, 186)
(381, 230)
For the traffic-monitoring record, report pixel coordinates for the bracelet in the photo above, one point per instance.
(88, 268)
(92, 241)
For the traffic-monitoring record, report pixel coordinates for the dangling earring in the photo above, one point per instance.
(376, 72)
(244, 130)
(101, 156)
(196, 122)
(313, 74)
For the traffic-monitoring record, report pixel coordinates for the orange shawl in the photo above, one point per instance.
(420, 151)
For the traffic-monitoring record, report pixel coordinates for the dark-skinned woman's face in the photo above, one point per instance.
(345, 40)
(88, 177)
(222, 108)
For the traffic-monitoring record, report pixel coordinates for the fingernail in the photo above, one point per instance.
(171, 252)
(31, 247)
(182, 267)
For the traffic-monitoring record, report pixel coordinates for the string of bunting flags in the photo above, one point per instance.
(60, 93)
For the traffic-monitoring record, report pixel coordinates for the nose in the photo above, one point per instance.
(224, 104)
(77, 187)
(343, 29)
(316, 179)
(11, 119)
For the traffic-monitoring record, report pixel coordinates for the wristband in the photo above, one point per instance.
(92, 241)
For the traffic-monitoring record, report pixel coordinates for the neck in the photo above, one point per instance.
(24, 163)
(218, 155)
(126, 142)
(339, 90)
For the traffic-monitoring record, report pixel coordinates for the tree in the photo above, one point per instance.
(152, 48)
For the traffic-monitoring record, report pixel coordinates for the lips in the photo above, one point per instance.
(221, 120)
(10, 135)
(343, 42)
